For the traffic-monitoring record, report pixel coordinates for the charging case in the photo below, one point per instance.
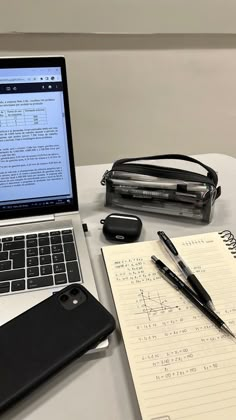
(121, 227)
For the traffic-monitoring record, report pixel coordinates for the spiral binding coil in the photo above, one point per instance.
(230, 240)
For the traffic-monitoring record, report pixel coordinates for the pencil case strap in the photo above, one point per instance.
(211, 174)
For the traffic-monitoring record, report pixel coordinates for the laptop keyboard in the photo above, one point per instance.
(38, 260)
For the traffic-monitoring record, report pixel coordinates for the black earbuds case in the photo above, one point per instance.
(121, 227)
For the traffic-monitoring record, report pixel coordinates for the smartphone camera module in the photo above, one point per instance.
(72, 297)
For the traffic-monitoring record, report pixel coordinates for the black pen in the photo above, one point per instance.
(183, 288)
(191, 278)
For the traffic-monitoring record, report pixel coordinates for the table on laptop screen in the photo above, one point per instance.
(34, 159)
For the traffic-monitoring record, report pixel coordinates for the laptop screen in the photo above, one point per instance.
(37, 174)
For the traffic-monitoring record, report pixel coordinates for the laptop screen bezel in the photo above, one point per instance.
(47, 61)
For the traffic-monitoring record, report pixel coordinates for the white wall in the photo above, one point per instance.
(140, 95)
(118, 16)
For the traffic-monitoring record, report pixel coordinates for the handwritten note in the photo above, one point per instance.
(183, 367)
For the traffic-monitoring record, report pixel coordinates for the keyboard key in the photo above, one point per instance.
(32, 261)
(31, 243)
(18, 285)
(4, 287)
(67, 238)
(64, 232)
(43, 250)
(43, 241)
(31, 236)
(60, 278)
(55, 232)
(69, 250)
(5, 265)
(57, 258)
(73, 271)
(32, 272)
(3, 256)
(56, 239)
(45, 269)
(12, 275)
(45, 259)
(17, 238)
(42, 281)
(43, 234)
(32, 252)
(7, 246)
(59, 268)
(18, 257)
(56, 248)
(8, 239)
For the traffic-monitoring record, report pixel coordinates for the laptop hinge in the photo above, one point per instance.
(33, 219)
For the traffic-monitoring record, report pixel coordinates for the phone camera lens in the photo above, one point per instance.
(74, 291)
(64, 298)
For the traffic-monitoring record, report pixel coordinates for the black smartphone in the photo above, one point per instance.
(40, 341)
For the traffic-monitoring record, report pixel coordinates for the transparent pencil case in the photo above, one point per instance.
(162, 189)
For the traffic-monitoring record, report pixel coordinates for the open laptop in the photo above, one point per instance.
(42, 244)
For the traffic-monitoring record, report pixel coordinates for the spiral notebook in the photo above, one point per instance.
(183, 366)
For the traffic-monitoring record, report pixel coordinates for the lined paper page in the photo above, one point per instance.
(183, 366)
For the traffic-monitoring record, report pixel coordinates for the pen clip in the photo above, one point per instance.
(167, 242)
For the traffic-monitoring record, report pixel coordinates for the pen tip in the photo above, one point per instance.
(227, 329)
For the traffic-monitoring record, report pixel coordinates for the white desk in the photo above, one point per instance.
(99, 387)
